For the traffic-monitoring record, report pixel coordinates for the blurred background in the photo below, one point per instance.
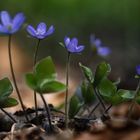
(116, 23)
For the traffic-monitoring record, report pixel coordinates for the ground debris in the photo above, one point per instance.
(31, 133)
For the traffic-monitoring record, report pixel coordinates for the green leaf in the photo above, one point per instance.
(102, 71)
(117, 82)
(107, 88)
(87, 93)
(138, 93)
(61, 44)
(53, 86)
(8, 102)
(43, 79)
(74, 106)
(31, 81)
(5, 88)
(137, 76)
(138, 99)
(108, 91)
(126, 94)
(110, 94)
(122, 96)
(45, 69)
(87, 72)
(116, 99)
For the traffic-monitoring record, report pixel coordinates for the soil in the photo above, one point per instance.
(112, 126)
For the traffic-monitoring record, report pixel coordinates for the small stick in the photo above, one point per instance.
(99, 98)
(8, 115)
(95, 107)
(47, 110)
(133, 101)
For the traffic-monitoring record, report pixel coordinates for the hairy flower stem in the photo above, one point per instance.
(35, 60)
(95, 107)
(67, 91)
(133, 101)
(99, 98)
(97, 93)
(8, 115)
(13, 76)
(36, 51)
(47, 111)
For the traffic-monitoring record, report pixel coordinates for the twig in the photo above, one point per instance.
(47, 111)
(99, 98)
(133, 101)
(12, 118)
(95, 107)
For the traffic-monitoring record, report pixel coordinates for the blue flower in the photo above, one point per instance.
(97, 44)
(41, 31)
(9, 26)
(72, 45)
(103, 51)
(95, 41)
(138, 69)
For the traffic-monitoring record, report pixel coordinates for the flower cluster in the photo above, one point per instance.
(97, 44)
(10, 26)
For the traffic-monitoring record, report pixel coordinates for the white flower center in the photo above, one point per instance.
(40, 32)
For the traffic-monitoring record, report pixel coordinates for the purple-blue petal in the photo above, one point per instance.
(31, 30)
(103, 51)
(66, 41)
(5, 18)
(79, 48)
(71, 47)
(74, 41)
(50, 31)
(97, 42)
(92, 39)
(3, 29)
(138, 69)
(40, 36)
(41, 28)
(17, 22)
